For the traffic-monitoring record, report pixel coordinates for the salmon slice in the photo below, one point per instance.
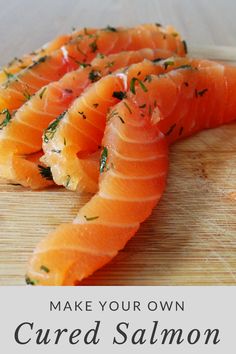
(23, 136)
(127, 194)
(79, 132)
(18, 64)
(188, 96)
(83, 48)
(200, 95)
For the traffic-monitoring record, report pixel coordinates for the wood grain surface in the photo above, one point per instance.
(191, 236)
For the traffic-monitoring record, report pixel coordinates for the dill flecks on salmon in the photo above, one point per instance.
(128, 191)
(18, 64)
(83, 49)
(155, 112)
(191, 88)
(23, 137)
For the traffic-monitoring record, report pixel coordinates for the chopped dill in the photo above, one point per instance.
(120, 95)
(44, 268)
(50, 131)
(42, 92)
(142, 105)
(30, 281)
(110, 29)
(103, 159)
(132, 85)
(201, 92)
(121, 119)
(168, 63)
(68, 178)
(94, 75)
(82, 115)
(128, 107)
(45, 172)
(109, 64)
(185, 47)
(93, 46)
(171, 129)
(27, 95)
(7, 119)
(91, 218)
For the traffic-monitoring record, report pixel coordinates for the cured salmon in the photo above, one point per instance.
(74, 168)
(190, 98)
(18, 88)
(22, 137)
(133, 165)
(132, 180)
(18, 64)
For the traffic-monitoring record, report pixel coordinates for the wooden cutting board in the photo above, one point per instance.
(190, 239)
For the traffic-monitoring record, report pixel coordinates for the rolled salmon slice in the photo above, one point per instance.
(18, 64)
(22, 137)
(197, 96)
(193, 95)
(19, 88)
(127, 194)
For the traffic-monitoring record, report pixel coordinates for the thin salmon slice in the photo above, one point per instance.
(83, 48)
(18, 64)
(127, 194)
(197, 96)
(193, 95)
(22, 138)
(70, 143)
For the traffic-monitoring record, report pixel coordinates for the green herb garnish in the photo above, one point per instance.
(94, 75)
(110, 29)
(103, 159)
(91, 218)
(68, 178)
(119, 94)
(185, 47)
(184, 66)
(143, 105)
(93, 46)
(26, 95)
(201, 92)
(50, 131)
(157, 60)
(122, 120)
(171, 129)
(168, 63)
(109, 64)
(44, 268)
(128, 107)
(7, 119)
(42, 92)
(30, 281)
(45, 172)
(132, 85)
(100, 55)
(148, 78)
(41, 60)
(9, 76)
(82, 115)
